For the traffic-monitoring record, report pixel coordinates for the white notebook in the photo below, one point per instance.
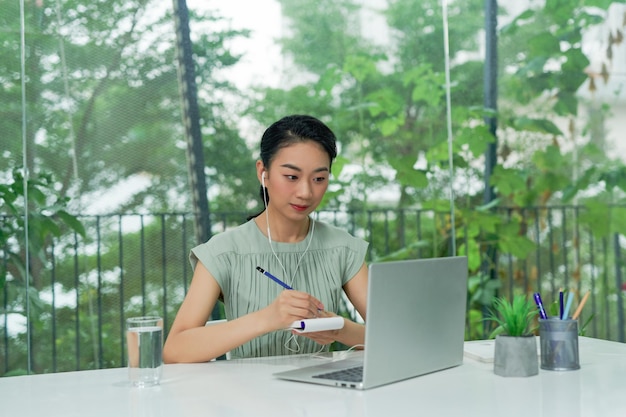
(317, 325)
(480, 350)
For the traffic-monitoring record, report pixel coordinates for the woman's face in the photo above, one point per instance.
(297, 179)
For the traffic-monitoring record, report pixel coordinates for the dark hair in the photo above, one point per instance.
(293, 129)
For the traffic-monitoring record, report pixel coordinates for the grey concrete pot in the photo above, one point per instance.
(516, 356)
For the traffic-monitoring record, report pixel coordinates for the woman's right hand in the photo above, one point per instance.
(292, 305)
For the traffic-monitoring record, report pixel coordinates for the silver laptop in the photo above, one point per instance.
(415, 325)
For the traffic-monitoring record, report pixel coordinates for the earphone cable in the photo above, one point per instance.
(269, 237)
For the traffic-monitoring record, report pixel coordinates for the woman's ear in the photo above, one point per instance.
(260, 171)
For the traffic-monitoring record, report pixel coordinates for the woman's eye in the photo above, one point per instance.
(320, 179)
(291, 177)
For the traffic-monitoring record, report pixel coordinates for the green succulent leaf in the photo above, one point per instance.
(513, 318)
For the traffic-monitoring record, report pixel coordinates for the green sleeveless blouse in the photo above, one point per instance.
(332, 259)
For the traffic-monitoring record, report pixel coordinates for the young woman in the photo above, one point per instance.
(318, 261)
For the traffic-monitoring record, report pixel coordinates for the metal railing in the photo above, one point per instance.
(83, 288)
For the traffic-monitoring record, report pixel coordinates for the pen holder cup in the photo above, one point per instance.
(558, 340)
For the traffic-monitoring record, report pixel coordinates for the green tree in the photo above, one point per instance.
(541, 49)
(103, 101)
(545, 157)
(26, 231)
(387, 104)
(102, 105)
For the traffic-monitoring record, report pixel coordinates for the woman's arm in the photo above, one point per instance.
(356, 290)
(352, 333)
(189, 340)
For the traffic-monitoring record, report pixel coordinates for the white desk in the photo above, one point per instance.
(247, 388)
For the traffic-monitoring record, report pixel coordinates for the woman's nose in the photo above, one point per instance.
(304, 189)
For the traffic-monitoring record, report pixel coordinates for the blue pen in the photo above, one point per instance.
(542, 311)
(568, 305)
(272, 277)
(561, 305)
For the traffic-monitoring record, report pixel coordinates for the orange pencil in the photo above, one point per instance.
(580, 306)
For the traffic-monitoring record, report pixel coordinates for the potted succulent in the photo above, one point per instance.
(515, 345)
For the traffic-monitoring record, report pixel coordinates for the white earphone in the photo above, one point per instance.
(269, 233)
(264, 191)
(269, 239)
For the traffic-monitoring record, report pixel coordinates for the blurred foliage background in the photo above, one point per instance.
(94, 185)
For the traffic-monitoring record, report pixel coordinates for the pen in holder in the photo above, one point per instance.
(559, 344)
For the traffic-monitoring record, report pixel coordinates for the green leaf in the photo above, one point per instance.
(543, 44)
(8, 197)
(566, 104)
(36, 195)
(47, 226)
(476, 138)
(615, 177)
(548, 159)
(384, 101)
(338, 164)
(72, 222)
(427, 85)
(329, 79)
(473, 252)
(360, 67)
(595, 215)
(482, 221)
(390, 125)
(618, 220)
(559, 11)
(536, 125)
(507, 181)
(573, 69)
(511, 29)
(513, 319)
(486, 207)
(511, 241)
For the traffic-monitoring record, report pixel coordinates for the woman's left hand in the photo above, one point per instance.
(325, 337)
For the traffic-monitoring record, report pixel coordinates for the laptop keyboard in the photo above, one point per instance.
(349, 374)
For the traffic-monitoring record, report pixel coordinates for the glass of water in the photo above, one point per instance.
(144, 339)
